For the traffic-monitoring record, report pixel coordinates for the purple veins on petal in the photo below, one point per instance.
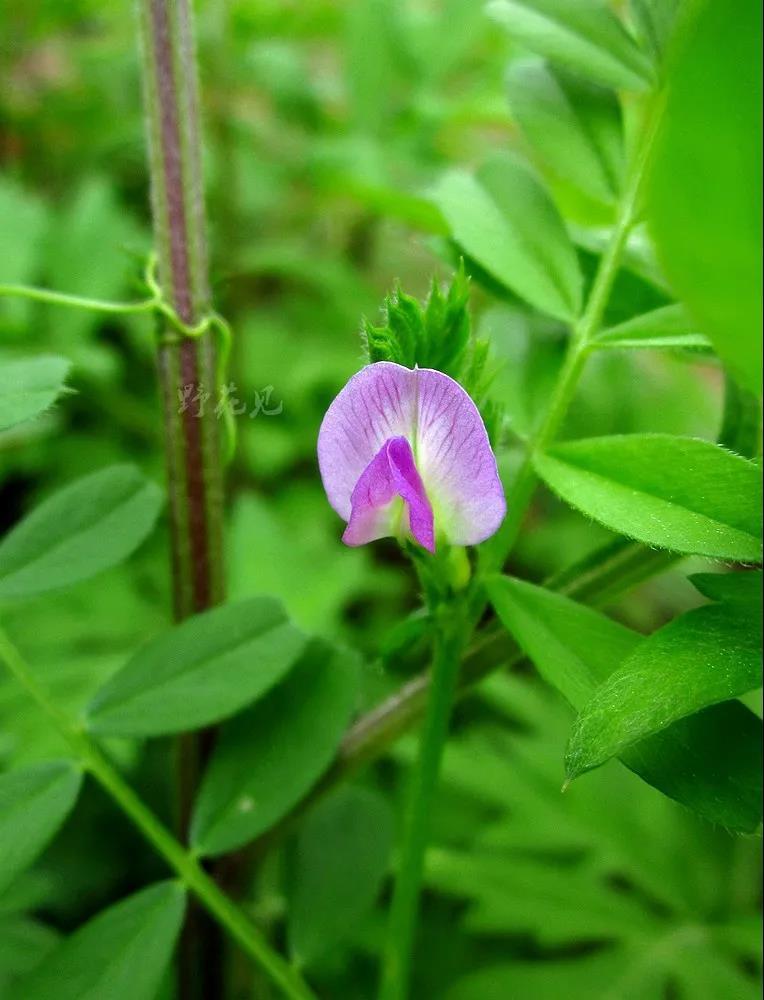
(414, 434)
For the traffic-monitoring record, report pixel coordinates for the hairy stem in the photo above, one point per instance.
(186, 364)
(396, 961)
(188, 869)
(188, 379)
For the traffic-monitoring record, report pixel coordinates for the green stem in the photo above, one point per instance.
(424, 779)
(188, 869)
(497, 551)
(75, 301)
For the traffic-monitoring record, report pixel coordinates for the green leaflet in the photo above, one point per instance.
(504, 219)
(121, 954)
(676, 493)
(29, 386)
(266, 758)
(584, 35)
(340, 857)
(709, 761)
(574, 126)
(666, 327)
(705, 194)
(34, 802)
(203, 670)
(708, 655)
(88, 526)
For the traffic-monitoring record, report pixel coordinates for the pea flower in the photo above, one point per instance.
(404, 452)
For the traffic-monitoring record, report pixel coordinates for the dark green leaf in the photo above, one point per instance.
(738, 588)
(30, 386)
(529, 896)
(710, 761)
(121, 954)
(667, 327)
(708, 655)
(575, 126)
(268, 757)
(705, 201)
(85, 528)
(201, 671)
(340, 858)
(34, 802)
(584, 35)
(677, 493)
(579, 978)
(506, 221)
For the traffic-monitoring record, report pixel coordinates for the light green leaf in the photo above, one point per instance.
(504, 219)
(676, 493)
(667, 327)
(654, 23)
(29, 386)
(203, 670)
(583, 35)
(709, 761)
(340, 858)
(575, 126)
(705, 196)
(24, 217)
(268, 757)
(34, 802)
(369, 69)
(86, 527)
(121, 954)
(88, 254)
(708, 655)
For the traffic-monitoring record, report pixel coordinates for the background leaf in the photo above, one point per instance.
(575, 126)
(585, 36)
(34, 802)
(677, 493)
(666, 327)
(29, 386)
(84, 528)
(268, 757)
(709, 762)
(705, 656)
(201, 671)
(121, 954)
(339, 859)
(705, 199)
(505, 219)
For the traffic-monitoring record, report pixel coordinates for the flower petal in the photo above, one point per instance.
(443, 426)
(390, 475)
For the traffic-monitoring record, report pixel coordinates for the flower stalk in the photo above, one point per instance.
(448, 643)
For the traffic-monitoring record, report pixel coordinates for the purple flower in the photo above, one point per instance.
(405, 452)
